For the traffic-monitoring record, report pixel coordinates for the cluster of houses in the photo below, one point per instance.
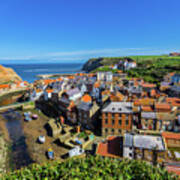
(13, 86)
(138, 119)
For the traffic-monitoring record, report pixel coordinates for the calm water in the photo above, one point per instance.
(28, 72)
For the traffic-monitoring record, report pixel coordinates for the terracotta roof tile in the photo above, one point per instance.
(110, 148)
(86, 98)
(4, 86)
(49, 90)
(170, 135)
(147, 108)
(163, 106)
(147, 85)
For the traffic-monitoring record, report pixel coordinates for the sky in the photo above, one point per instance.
(37, 31)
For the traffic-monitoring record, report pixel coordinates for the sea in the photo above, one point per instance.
(29, 72)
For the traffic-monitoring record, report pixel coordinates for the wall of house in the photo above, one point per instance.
(173, 142)
(116, 123)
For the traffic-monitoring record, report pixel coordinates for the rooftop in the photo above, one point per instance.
(110, 148)
(144, 141)
(119, 107)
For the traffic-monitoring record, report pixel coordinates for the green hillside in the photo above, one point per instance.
(92, 168)
(151, 68)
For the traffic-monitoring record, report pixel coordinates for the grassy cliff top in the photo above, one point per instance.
(151, 68)
(92, 168)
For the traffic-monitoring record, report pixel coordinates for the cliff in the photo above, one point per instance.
(94, 63)
(8, 75)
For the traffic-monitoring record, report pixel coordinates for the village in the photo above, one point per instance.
(104, 113)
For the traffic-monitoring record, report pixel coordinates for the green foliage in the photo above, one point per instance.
(92, 168)
(104, 69)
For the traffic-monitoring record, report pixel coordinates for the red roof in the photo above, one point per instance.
(174, 169)
(86, 98)
(4, 86)
(110, 148)
(49, 90)
(162, 106)
(170, 135)
(147, 85)
(147, 108)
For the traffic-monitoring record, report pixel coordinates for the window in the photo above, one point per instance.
(119, 130)
(106, 130)
(112, 116)
(127, 122)
(120, 116)
(120, 122)
(106, 121)
(130, 154)
(127, 117)
(112, 130)
(113, 122)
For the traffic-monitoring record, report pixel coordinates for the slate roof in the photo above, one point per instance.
(148, 115)
(73, 91)
(119, 107)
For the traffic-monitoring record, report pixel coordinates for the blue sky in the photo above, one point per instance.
(75, 30)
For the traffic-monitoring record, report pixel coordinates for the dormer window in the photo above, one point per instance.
(113, 109)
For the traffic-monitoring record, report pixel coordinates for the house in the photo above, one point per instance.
(73, 94)
(83, 89)
(127, 64)
(148, 120)
(109, 76)
(147, 87)
(105, 76)
(87, 112)
(71, 113)
(162, 107)
(165, 121)
(175, 79)
(101, 76)
(146, 147)
(174, 54)
(171, 139)
(36, 93)
(117, 97)
(117, 118)
(111, 147)
(4, 87)
(48, 94)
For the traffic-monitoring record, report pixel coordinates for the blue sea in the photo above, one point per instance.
(28, 72)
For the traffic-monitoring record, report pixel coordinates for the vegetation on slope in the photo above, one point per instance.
(92, 168)
(151, 68)
(8, 75)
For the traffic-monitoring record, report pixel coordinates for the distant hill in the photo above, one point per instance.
(151, 68)
(8, 75)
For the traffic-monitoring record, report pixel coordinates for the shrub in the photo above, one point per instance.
(92, 168)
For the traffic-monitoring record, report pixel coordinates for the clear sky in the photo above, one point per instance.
(75, 30)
